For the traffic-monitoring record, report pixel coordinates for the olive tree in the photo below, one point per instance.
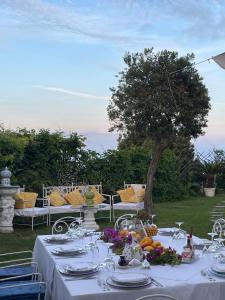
(160, 96)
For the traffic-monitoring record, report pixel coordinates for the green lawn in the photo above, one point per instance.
(194, 212)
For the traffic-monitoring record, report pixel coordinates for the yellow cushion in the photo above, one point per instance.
(25, 200)
(126, 194)
(138, 196)
(98, 198)
(56, 199)
(75, 198)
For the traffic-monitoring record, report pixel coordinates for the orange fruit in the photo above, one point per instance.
(148, 248)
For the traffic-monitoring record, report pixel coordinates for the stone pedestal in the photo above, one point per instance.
(89, 218)
(7, 207)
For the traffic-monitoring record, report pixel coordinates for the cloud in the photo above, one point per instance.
(85, 23)
(129, 24)
(201, 19)
(71, 93)
(115, 22)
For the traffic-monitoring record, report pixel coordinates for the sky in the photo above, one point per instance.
(59, 58)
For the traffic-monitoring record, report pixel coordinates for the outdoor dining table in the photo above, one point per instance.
(185, 281)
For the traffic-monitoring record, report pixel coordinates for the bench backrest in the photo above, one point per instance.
(47, 190)
(135, 186)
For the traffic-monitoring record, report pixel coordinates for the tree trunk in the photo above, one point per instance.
(157, 153)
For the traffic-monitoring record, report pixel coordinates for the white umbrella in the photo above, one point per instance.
(220, 60)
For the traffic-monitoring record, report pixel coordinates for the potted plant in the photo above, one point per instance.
(210, 170)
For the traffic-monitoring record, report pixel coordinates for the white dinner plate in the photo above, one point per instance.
(128, 286)
(67, 273)
(216, 273)
(68, 252)
(129, 278)
(218, 268)
(57, 239)
(123, 267)
(80, 267)
(168, 231)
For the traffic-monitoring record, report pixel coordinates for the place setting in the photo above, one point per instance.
(128, 280)
(62, 252)
(58, 239)
(79, 270)
(218, 270)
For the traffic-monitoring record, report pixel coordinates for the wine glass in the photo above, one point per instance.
(102, 276)
(93, 247)
(110, 264)
(108, 245)
(220, 241)
(213, 247)
(152, 217)
(180, 234)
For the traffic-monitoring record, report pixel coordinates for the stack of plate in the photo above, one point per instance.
(129, 280)
(58, 239)
(218, 270)
(79, 269)
(168, 231)
(60, 251)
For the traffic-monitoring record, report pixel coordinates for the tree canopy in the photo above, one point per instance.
(159, 96)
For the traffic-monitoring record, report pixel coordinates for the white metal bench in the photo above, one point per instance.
(33, 212)
(47, 190)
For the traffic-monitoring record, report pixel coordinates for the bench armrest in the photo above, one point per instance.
(115, 196)
(44, 201)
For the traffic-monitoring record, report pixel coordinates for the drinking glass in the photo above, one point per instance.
(214, 246)
(108, 245)
(102, 276)
(180, 234)
(93, 247)
(220, 241)
(110, 264)
(152, 218)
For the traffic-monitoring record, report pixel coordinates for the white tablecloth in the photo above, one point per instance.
(184, 281)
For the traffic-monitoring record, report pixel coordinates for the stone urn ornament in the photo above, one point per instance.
(7, 201)
(89, 195)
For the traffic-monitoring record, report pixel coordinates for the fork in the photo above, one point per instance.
(155, 282)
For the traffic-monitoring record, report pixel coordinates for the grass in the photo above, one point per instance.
(194, 212)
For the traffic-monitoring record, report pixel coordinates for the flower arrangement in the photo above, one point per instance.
(162, 256)
(118, 238)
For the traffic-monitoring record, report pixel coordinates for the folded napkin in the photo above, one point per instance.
(81, 267)
(68, 250)
(129, 277)
(168, 230)
(58, 237)
(134, 262)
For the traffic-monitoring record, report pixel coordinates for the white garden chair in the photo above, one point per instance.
(17, 265)
(123, 221)
(64, 224)
(157, 297)
(219, 227)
